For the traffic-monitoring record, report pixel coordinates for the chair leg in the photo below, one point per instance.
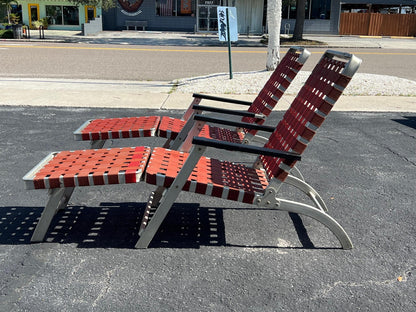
(58, 198)
(320, 216)
(182, 135)
(97, 144)
(157, 196)
(296, 172)
(150, 230)
(308, 190)
(167, 143)
(65, 199)
(169, 197)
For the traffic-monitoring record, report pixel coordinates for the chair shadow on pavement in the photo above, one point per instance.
(116, 225)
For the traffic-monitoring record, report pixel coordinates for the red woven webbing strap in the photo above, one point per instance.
(118, 128)
(306, 114)
(93, 167)
(221, 134)
(274, 88)
(210, 176)
(170, 127)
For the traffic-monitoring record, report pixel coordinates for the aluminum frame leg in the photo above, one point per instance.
(58, 198)
(320, 216)
(169, 197)
(308, 190)
(296, 172)
(97, 144)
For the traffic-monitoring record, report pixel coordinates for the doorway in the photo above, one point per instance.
(207, 14)
(33, 13)
(207, 18)
(90, 13)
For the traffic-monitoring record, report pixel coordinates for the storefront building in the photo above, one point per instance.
(323, 16)
(62, 15)
(183, 15)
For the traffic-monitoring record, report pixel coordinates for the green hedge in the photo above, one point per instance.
(6, 33)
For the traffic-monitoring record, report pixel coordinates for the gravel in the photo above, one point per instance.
(252, 82)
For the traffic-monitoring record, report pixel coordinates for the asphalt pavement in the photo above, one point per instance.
(212, 255)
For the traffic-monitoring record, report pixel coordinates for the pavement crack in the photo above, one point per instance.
(405, 133)
(105, 289)
(401, 156)
(340, 284)
(164, 102)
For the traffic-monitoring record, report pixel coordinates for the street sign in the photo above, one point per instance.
(232, 23)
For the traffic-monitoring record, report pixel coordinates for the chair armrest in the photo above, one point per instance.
(221, 99)
(246, 148)
(239, 124)
(228, 111)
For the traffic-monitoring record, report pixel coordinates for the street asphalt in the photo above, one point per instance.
(212, 255)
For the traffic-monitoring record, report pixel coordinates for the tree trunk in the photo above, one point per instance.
(274, 20)
(300, 20)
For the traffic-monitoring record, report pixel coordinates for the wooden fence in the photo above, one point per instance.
(377, 24)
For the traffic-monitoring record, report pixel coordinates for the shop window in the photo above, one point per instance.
(62, 15)
(314, 9)
(175, 7)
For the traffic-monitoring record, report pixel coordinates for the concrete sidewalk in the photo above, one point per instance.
(211, 39)
(161, 94)
(153, 95)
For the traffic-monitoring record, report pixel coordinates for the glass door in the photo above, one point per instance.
(207, 15)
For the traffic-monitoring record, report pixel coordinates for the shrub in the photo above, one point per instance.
(6, 34)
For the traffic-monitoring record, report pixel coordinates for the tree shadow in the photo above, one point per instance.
(408, 121)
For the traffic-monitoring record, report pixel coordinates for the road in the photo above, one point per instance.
(101, 61)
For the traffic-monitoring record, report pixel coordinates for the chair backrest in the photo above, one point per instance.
(309, 109)
(277, 84)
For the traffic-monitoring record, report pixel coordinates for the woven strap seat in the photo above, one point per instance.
(118, 128)
(211, 177)
(170, 127)
(221, 134)
(89, 167)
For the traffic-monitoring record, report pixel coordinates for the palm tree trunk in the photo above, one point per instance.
(274, 20)
(300, 20)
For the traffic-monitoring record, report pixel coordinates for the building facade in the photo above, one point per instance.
(323, 16)
(183, 15)
(62, 15)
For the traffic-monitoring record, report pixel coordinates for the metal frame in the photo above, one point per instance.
(269, 199)
(163, 198)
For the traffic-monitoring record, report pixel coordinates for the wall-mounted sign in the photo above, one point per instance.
(186, 6)
(130, 8)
